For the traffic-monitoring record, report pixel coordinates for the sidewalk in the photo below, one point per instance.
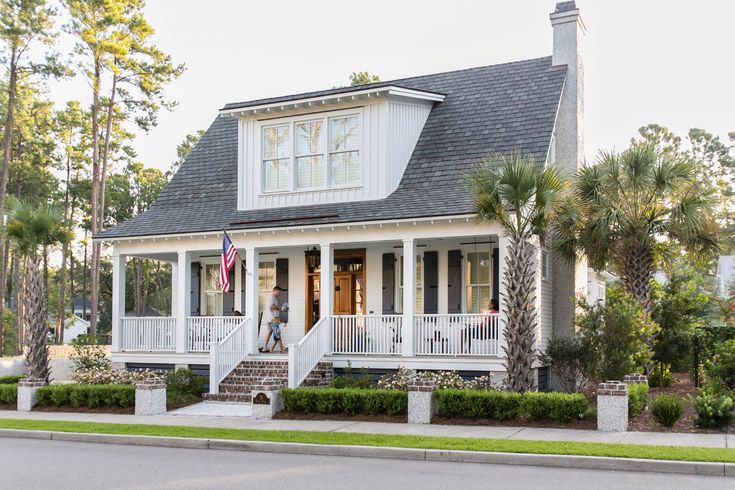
(476, 432)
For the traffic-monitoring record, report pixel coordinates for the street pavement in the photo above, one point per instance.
(26, 463)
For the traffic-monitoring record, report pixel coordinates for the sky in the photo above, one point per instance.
(666, 61)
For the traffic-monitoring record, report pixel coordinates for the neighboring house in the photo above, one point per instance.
(597, 285)
(726, 275)
(370, 180)
(77, 320)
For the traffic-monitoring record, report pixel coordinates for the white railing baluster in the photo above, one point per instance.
(148, 334)
(203, 330)
(225, 354)
(457, 335)
(366, 334)
(302, 357)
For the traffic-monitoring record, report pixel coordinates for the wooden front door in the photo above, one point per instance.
(344, 303)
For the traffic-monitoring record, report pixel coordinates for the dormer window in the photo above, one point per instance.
(315, 158)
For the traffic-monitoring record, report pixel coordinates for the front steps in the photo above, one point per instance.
(238, 385)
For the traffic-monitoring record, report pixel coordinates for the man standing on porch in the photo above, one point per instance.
(272, 316)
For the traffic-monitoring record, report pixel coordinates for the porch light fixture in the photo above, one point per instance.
(311, 256)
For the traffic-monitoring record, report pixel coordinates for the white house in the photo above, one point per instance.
(725, 275)
(370, 180)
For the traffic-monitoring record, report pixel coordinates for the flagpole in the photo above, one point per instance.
(237, 251)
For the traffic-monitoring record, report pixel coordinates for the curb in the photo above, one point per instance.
(436, 455)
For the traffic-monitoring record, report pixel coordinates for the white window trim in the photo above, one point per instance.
(291, 122)
(545, 271)
(203, 298)
(399, 280)
(485, 247)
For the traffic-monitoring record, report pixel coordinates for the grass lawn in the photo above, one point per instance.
(721, 455)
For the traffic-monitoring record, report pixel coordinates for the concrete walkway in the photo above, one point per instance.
(479, 432)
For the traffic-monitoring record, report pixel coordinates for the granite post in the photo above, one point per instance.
(421, 401)
(27, 388)
(612, 406)
(150, 397)
(267, 400)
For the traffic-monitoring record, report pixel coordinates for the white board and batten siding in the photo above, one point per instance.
(545, 315)
(389, 130)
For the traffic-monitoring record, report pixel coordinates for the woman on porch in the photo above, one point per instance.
(481, 331)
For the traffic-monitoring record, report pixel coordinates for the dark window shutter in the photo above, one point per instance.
(228, 298)
(431, 283)
(454, 281)
(196, 283)
(389, 284)
(282, 281)
(496, 277)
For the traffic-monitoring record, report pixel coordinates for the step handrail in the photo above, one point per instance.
(225, 355)
(305, 355)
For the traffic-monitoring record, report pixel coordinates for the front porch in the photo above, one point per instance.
(389, 301)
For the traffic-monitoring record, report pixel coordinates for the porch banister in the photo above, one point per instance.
(252, 260)
(409, 296)
(503, 242)
(118, 299)
(183, 298)
(326, 293)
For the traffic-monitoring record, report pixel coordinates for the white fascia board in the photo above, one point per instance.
(289, 229)
(315, 102)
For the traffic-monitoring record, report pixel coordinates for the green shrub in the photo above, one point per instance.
(667, 409)
(637, 399)
(90, 396)
(185, 381)
(713, 410)
(8, 394)
(347, 380)
(11, 379)
(571, 359)
(661, 376)
(498, 405)
(350, 401)
(722, 365)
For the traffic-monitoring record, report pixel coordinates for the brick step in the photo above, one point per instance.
(229, 397)
(248, 371)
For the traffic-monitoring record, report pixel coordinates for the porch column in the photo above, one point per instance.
(118, 299)
(174, 282)
(503, 242)
(252, 262)
(326, 287)
(409, 296)
(183, 299)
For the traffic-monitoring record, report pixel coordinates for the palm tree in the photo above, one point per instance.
(628, 205)
(32, 228)
(524, 198)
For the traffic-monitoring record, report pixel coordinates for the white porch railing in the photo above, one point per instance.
(366, 334)
(302, 357)
(202, 331)
(226, 354)
(456, 335)
(148, 334)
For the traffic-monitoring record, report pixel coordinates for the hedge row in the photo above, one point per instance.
(11, 379)
(8, 394)
(500, 405)
(637, 399)
(91, 396)
(350, 401)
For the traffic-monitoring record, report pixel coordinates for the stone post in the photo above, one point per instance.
(267, 400)
(612, 406)
(27, 388)
(150, 397)
(635, 379)
(421, 401)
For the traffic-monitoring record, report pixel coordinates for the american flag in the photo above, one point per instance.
(229, 252)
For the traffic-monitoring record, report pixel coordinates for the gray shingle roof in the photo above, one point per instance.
(499, 108)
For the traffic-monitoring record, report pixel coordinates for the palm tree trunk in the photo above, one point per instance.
(638, 269)
(519, 279)
(35, 321)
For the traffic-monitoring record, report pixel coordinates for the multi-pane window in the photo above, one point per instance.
(277, 158)
(266, 281)
(212, 291)
(477, 281)
(419, 286)
(343, 150)
(309, 155)
(322, 153)
(545, 265)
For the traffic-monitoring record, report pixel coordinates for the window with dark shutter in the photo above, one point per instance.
(282, 281)
(196, 283)
(454, 281)
(389, 284)
(431, 282)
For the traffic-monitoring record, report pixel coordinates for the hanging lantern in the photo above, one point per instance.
(312, 257)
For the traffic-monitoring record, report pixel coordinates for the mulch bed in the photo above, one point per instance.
(8, 407)
(115, 410)
(286, 415)
(681, 387)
